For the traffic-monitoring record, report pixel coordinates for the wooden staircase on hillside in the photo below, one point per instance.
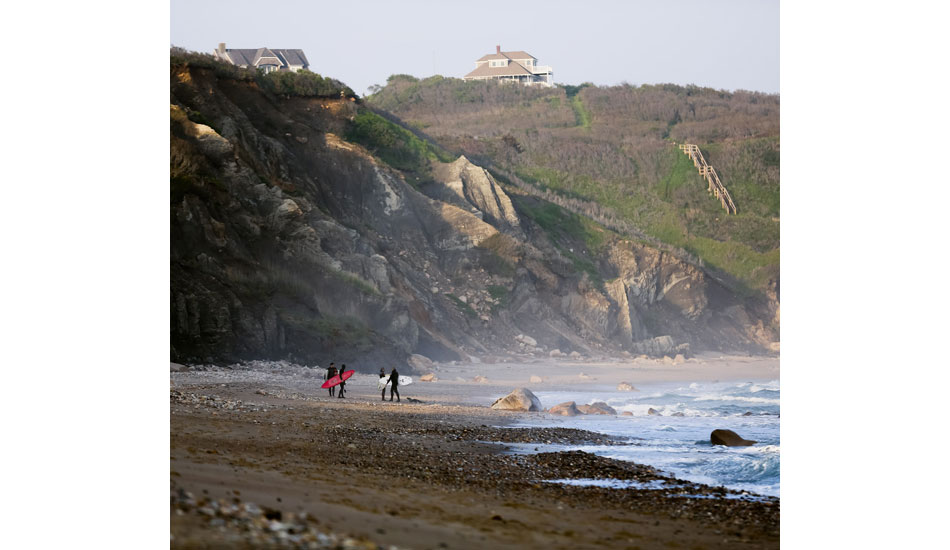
(715, 185)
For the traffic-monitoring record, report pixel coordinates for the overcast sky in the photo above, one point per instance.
(729, 44)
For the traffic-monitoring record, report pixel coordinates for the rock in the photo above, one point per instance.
(536, 380)
(679, 359)
(555, 353)
(728, 438)
(526, 340)
(667, 359)
(626, 413)
(430, 377)
(598, 407)
(480, 379)
(565, 409)
(678, 413)
(584, 376)
(625, 386)
(653, 412)
(175, 367)
(660, 345)
(520, 399)
(420, 362)
(575, 355)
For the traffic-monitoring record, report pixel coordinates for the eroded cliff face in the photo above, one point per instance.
(290, 242)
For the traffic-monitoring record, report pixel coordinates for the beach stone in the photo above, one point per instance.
(653, 412)
(481, 379)
(678, 413)
(626, 413)
(575, 355)
(526, 340)
(625, 386)
(420, 362)
(520, 399)
(555, 353)
(430, 377)
(598, 407)
(536, 379)
(728, 438)
(584, 376)
(565, 409)
(679, 359)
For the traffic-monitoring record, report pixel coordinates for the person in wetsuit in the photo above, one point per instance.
(382, 374)
(342, 383)
(393, 382)
(331, 372)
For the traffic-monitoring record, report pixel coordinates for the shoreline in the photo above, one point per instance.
(427, 474)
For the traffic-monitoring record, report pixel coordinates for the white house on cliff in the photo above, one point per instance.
(264, 58)
(512, 67)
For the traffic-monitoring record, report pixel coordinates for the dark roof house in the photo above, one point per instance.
(268, 59)
(512, 67)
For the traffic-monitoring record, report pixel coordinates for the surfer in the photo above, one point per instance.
(382, 374)
(342, 382)
(331, 372)
(393, 381)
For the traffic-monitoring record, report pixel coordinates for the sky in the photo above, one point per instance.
(728, 45)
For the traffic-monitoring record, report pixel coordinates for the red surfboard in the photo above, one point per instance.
(335, 381)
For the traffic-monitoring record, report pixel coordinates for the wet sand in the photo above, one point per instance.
(273, 461)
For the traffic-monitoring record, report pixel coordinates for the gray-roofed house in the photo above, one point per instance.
(267, 59)
(512, 67)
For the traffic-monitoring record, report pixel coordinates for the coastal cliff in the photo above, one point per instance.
(292, 239)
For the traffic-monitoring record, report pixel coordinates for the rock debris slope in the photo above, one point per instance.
(288, 241)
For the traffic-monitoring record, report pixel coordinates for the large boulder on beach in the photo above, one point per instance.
(565, 409)
(420, 362)
(653, 412)
(728, 438)
(626, 386)
(535, 379)
(430, 377)
(598, 407)
(520, 399)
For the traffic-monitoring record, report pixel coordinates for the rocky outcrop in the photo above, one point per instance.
(624, 386)
(520, 399)
(470, 185)
(289, 242)
(729, 438)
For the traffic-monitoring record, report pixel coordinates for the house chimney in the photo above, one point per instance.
(497, 49)
(221, 47)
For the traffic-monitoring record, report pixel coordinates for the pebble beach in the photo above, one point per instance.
(262, 457)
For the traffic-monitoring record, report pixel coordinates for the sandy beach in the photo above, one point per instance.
(267, 459)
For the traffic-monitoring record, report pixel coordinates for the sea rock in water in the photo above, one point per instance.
(598, 407)
(565, 409)
(678, 413)
(626, 413)
(536, 379)
(728, 438)
(653, 412)
(430, 377)
(520, 399)
(625, 386)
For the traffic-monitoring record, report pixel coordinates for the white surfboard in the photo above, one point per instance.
(383, 382)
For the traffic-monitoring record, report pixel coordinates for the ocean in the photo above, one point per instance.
(679, 445)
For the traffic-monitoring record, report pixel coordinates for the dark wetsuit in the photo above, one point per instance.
(331, 372)
(393, 383)
(342, 384)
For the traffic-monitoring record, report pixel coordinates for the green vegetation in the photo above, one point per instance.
(337, 332)
(581, 113)
(501, 295)
(623, 168)
(300, 84)
(463, 307)
(392, 143)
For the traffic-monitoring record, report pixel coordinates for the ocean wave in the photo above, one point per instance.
(740, 398)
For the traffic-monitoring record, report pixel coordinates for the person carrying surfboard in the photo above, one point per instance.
(342, 382)
(393, 383)
(382, 375)
(331, 372)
